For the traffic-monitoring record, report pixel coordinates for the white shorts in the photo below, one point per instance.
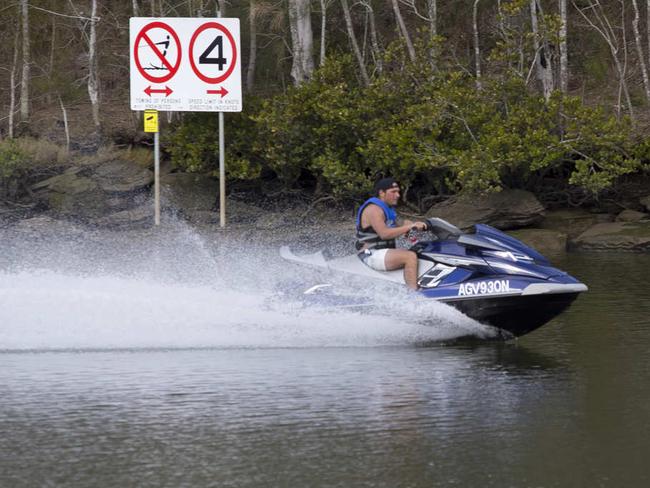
(375, 258)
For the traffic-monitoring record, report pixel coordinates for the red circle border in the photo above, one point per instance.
(229, 71)
(171, 73)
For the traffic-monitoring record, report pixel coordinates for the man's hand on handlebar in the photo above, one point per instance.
(418, 226)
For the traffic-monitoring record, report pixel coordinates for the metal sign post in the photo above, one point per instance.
(156, 177)
(187, 65)
(151, 125)
(222, 163)
(222, 173)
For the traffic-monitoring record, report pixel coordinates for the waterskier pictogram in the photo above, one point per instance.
(157, 52)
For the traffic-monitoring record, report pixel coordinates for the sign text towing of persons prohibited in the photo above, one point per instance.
(185, 64)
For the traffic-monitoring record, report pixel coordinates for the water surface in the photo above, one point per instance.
(99, 389)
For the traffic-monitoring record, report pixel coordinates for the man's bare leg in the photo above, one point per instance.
(402, 258)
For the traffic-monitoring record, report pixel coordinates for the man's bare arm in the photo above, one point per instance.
(375, 216)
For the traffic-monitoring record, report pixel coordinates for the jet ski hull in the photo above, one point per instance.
(517, 315)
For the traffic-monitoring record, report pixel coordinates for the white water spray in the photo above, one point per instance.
(179, 291)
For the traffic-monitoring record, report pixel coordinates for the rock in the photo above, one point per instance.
(645, 201)
(236, 213)
(545, 241)
(54, 179)
(44, 226)
(141, 216)
(68, 182)
(72, 195)
(125, 201)
(573, 222)
(508, 209)
(631, 216)
(630, 236)
(188, 191)
(92, 193)
(122, 176)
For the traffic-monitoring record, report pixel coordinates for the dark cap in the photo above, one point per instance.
(385, 184)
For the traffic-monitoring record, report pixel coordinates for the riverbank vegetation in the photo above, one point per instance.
(548, 96)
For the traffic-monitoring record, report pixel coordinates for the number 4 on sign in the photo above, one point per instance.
(205, 58)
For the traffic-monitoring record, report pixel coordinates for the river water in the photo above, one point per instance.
(116, 377)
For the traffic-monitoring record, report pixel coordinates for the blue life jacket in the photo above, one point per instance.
(367, 237)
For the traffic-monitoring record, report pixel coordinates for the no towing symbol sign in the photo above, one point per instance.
(185, 64)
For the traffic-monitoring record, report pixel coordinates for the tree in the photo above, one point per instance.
(93, 75)
(477, 49)
(302, 40)
(543, 64)
(564, 51)
(404, 31)
(12, 87)
(639, 49)
(25, 80)
(252, 48)
(431, 17)
(432, 10)
(597, 18)
(374, 38)
(324, 4)
(353, 41)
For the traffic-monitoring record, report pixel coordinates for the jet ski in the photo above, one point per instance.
(488, 275)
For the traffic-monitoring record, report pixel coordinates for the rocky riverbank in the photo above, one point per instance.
(114, 192)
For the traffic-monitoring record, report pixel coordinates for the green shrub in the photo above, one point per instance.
(194, 144)
(435, 132)
(13, 160)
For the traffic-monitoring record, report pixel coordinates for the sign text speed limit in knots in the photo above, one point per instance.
(185, 64)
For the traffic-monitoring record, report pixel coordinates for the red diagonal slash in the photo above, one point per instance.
(157, 51)
(148, 42)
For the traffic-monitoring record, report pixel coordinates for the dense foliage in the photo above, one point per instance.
(436, 132)
(446, 96)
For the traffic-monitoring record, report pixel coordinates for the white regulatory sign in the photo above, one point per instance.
(185, 64)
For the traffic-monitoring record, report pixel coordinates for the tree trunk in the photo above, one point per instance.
(65, 124)
(648, 26)
(542, 54)
(93, 77)
(323, 26)
(623, 70)
(564, 51)
(374, 39)
(432, 10)
(12, 88)
(302, 41)
(25, 80)
(639, 49)
(477, 49)
(404, 30)
(50, 65)
(252, 48)
(602, 25)
(353, 41)
(136, 8)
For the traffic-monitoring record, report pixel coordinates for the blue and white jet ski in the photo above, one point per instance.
(487, 275)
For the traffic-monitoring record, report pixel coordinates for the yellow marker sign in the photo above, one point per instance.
(151, 120)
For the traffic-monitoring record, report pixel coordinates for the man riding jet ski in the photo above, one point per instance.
(377, 230)
(488, 275)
